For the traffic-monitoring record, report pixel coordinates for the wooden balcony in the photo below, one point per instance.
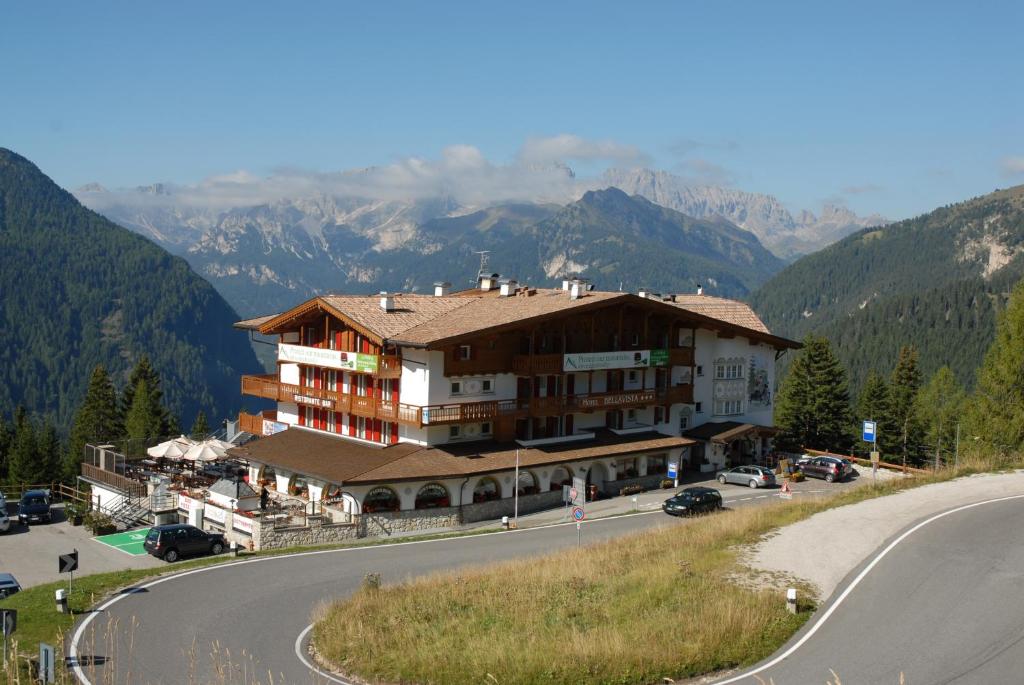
(470, 412)
(113, 480)
(620, 399)
(390, 367)
(483, 361)
(537, 364)
(680, 356)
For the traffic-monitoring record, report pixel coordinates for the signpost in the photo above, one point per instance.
(9, 623)
(673, 473)
(47, 663)
(67, 563)
(870, 434)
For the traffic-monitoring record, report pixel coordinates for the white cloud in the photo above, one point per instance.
(539, 171)
(861, 189)
(1012, 166)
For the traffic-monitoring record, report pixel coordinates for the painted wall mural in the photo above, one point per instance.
(759, 392)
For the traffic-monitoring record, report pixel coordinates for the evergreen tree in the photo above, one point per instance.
(903, 389)
(145, 419)
(144, 371)
(200, 429)
(24, 465)
(97, 420)
(996, 416)
(50, 452)
(939, 406)
(5, 445)
(813, 407)
(874, 405)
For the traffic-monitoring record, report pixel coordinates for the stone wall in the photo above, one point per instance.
(315, 532)
(385, 523)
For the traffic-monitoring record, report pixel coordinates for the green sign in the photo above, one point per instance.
(357, 361)
(659, 357)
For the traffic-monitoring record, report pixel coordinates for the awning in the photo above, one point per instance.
(725, 432)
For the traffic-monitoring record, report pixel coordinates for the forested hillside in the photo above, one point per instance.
(77, 290)
(935, 282)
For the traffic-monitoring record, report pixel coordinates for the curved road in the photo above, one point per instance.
(945, 605)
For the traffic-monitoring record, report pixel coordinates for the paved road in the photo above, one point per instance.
(945, 605)
(259, 608)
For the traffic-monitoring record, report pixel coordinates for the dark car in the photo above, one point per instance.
(34, 507)
(172, 541)
(829, 468)
(693, 501)
(8, 585)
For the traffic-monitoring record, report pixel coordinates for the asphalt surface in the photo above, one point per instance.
(945, 605)
(249, 615)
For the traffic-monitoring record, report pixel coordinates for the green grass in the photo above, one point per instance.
(661, 604)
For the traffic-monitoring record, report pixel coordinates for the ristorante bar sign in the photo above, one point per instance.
(625, 359)
(331, 359)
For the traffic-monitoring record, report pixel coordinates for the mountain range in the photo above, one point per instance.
(76, 290)
(936, 281)
(274, 253)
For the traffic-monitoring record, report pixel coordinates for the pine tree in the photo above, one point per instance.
(200, 429)
(903, 389)
(144, 421)
(50, 452)
(939, 406)
(6, 437)
(144, 371)
(24, 465)
(874, 405)
(813, 408)
(996, 416)
(97, 420)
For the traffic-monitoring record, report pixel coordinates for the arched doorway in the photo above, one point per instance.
(597, 474)
(381, 499)
(527, 483)
(486, 490)
(432, 496)
(559, 477)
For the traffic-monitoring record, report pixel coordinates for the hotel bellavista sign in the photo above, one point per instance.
(331, 359)
(615, 400)
(623, 359)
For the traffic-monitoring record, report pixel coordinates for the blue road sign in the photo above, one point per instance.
(870, 431)
(672, 469)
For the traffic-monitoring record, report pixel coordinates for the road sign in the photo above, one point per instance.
(673, 469)
(578, 514)
(8, 621)
(870, 431)
(47, 663)
(580, 486)
(573, 494)
(68, 562)
(876, 457)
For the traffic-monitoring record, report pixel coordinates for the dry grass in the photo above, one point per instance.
(661, 604)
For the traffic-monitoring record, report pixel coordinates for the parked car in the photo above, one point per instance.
(829, 468)
(35, 507)
(5, 521)
(8, 585)
(175, 540)
(693, 501)
(752, 476)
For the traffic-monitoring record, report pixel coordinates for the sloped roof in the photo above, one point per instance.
(232, 488)
(725, 431)
(338, 460)
(730, 311)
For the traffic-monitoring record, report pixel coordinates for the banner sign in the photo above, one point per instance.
(313, 401)
(271, 427)
(625, 359)
(215, 514)
(331, 359)
(186, 503)
(615, 400)
(241, 523)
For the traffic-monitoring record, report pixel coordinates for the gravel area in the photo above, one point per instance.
(823, 549)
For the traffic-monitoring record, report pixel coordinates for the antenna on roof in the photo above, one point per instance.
(484, 256)
(620, 286)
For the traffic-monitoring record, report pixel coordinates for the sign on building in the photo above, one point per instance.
(625, 359)
(617, 400)
(331, 359)
(271, 427)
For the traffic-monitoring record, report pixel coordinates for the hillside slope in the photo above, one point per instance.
(77, 290)
(935, 281)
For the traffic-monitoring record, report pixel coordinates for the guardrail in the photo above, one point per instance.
(59, 492)
(132, 488)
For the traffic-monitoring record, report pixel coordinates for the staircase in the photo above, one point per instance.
(131, 512)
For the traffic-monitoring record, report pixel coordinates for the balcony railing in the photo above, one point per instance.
(390, 367)
(113, 480)
(537, 364)
(680, 356)
(619, 399)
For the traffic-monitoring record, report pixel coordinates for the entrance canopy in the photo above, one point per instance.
(724, 432)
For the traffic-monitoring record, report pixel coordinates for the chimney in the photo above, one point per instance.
(508, 287)
(441, 289)
(644, 292)
(387, 302)
(565, 284)
(700, 289)
(488, 282)
(575, 290)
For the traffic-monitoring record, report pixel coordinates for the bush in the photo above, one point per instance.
(97, 522)
(667, 483)
(631, 490)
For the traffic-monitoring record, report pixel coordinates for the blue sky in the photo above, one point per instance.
(888, 107)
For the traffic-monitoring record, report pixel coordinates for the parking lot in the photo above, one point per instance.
(31, 553)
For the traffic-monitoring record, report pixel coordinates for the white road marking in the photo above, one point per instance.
(309, 664)
(853, 584)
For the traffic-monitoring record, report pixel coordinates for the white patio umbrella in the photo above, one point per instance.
(171, 449)
(205, 451)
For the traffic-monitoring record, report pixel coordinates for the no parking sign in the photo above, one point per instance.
(578, 514)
